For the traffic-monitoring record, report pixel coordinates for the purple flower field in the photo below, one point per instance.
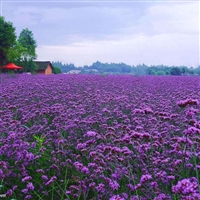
(91, 137)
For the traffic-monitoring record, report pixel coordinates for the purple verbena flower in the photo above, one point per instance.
(186, 186)
(145, 178)
(27, 178)
(100, 188)
(30, 186)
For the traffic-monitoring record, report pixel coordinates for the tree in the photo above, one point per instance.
(175, 71)
(183, 70)
(152, 72)
(125, 68)
(56, 70)
(7, 39)
(197, 70)
(31, 66)
(190, 70)
(28, 43)
(160, 72)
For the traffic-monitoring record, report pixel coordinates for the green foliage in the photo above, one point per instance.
(40, 140)
(15, 52)
(31, 66)
(7, 39)
(190, 71)
(175, 71)
(64, 67)
(183, 70)
(152, 72)
(27, 41)
(167, 72)
(21, 51)
(27, 46)
(56, 70)
(197, 71)
(160, 73)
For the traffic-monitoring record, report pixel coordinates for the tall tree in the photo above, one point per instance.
(27, 41)
(7, 39)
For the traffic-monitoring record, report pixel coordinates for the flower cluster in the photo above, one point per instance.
(187, 187)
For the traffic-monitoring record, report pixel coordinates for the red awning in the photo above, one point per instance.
(11, 66)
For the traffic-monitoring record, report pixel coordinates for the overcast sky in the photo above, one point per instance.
(82, 32)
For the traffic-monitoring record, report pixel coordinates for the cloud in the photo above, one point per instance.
(89, 21)
(162, 49)
(170, 18)
(82, 33)
(179, 18)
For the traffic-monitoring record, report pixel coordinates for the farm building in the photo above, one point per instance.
(44, 67)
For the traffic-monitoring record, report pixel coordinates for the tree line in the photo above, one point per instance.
(122, 68)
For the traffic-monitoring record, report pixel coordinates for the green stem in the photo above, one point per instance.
(37, 195)
(65, 182)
